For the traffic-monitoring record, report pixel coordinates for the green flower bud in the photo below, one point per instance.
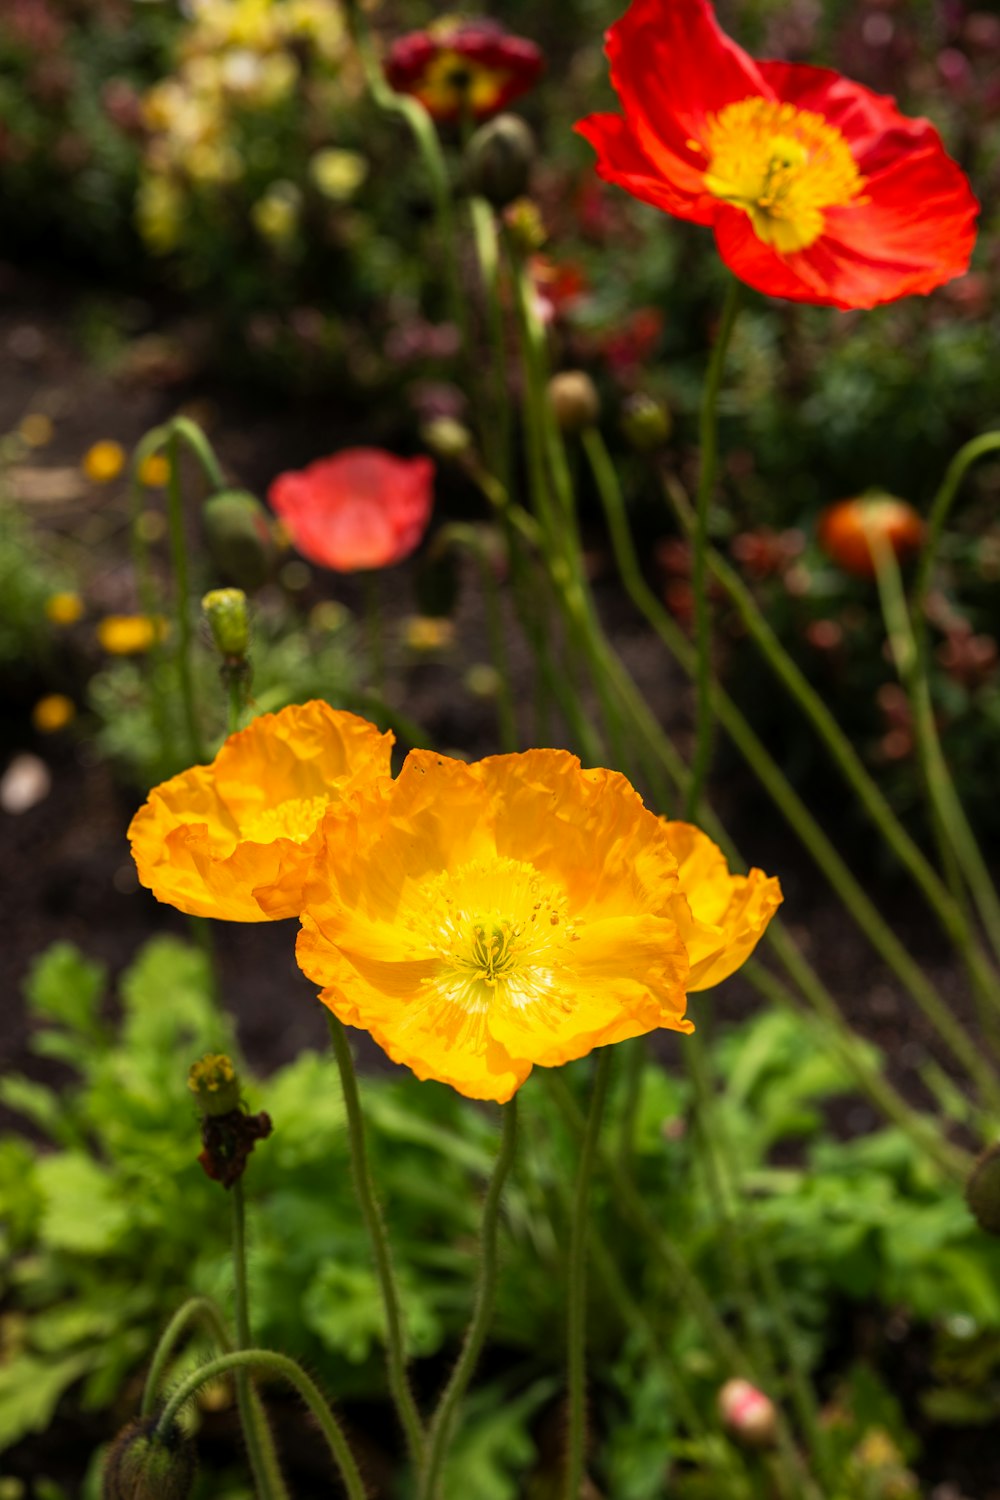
(446, 437)
(229, 621)
(982, 1191)
(144, 1466)
(238, 536)
(215, 1084)
(498, 160)
(525, 225)
(646, 423)
(574, 400)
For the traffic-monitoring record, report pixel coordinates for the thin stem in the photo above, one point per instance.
(848, 888)
(576, 1293)
(988, 442)
(260, 1450)
(195, 1310)
(468, 536)
(708, 433)
(635, 1071)
(234, 681)
(283, 1368)
(182, 591)
(146, 589)
(443, 1419)
(399, 1384)
(498, 434)
(373, 630)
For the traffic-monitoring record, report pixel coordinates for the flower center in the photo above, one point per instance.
(294, 819)
(498, 931)
(783, 166)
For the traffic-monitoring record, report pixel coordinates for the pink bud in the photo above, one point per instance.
(747, 1413)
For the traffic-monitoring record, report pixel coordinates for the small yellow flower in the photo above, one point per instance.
(159, 213)
(215, 838)
(276, 214)
(428, 632)
(338, 174)
(36, 429)
(479, 920)
(130, 635)
(154, 471)
(64, 609)
(52, 713)
(104, 461)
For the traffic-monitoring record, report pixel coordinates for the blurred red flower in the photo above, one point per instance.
(458, 67)
(817, 189)
(362, 508)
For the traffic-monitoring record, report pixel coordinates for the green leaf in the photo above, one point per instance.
(494, 1448)
(81, 1211)
(38, 1104)
(65, 986)
(30, 1389)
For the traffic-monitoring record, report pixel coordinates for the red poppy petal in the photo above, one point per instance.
(672, 66)
(756, 263)
(621, 160)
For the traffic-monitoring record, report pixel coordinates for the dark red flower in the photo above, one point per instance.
(362, 508)
(463, 67)
(816, 188)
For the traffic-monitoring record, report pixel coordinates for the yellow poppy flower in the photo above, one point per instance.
(208, 840)
(481, 919)
(64, 608)
(104, 461)
(52, 713)
(730, 912)
(130, 635)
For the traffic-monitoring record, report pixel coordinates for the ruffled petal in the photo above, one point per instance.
(670, 185)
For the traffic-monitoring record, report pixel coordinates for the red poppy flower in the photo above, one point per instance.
(463, 66)
(359, 509)
(817, 189)
(847, 528)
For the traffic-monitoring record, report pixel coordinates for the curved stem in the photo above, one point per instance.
(399, 1384)
(576, 1293)
(283, 1368)
(196, 1309)
(849, 889)
(988, 442)
(708, 433)
(443, 1418)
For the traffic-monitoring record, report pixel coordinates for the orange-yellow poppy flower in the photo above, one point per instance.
(480, 919)
(729, 912)
(208, 840)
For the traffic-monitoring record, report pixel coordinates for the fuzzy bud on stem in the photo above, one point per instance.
(142, 1465)
(498, 160)
(574, 400)
(646, 422)
(238, 536)
(229, 621)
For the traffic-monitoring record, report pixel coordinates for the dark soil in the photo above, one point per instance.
(65, 871)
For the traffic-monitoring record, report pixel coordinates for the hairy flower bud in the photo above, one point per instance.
(574, 400)
(646, 422)
(144, 1465)
(238, 535)
(747, 1414)
(525, 225)
(229, 621)
(446, 437)
(498, 160)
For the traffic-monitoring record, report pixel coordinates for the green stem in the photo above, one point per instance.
(576, 1292)
(256, 1432)
(201, 448)
(848, 888)
(635, 1070)
(399, 1383)
(988, 442)
(689, 1290)
(234, 695)
(708, 433)
(182, 597)
(952, 825)
(195, 1310)
(499, 434)
(443, 1419)
(282, 1368)
(467, 536)
(146, 447)
(374, 631)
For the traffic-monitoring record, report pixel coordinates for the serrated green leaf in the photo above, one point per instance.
(64, 985)
(81, 1212)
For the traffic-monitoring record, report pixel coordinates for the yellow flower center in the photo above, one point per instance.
(499, 931)
(783, 166)
(453, 81)
(294, 819)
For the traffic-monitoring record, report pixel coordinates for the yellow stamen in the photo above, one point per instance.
(783, 166)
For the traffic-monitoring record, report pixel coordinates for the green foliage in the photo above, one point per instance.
(111, 1226)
